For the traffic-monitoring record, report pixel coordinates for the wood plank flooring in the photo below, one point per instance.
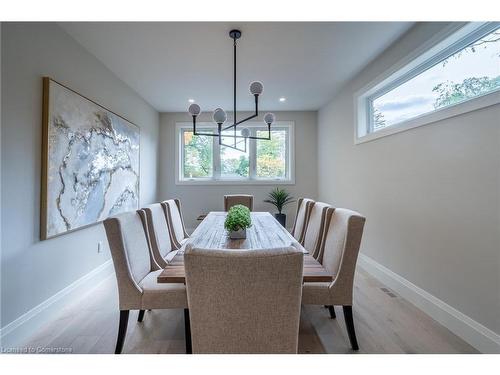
(384, 324)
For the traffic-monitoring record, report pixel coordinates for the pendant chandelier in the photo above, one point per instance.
(220, 117)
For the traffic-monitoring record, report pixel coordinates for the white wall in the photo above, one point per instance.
(431, 194)
(32, 270)
(203, 198)
(1, 25)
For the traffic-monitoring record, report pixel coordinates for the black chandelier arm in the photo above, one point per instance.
(245, 119)
(220, 135)
(268, 138)
(198, 133)
(234, 83)
(234, 147)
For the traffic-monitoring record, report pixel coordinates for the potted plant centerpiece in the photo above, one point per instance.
(279, 198)
(237, 221)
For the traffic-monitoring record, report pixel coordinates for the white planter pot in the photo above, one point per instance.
(238, 235)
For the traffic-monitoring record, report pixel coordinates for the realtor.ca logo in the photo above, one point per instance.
(35, 350)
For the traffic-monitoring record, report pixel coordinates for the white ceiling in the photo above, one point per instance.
(167, 63)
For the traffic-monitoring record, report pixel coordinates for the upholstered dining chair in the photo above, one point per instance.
(244, 301)
(232, 200)
(304, 206)
(137, 272)
(177, 230)
(315, 226)
(160, 241)
(338, 254)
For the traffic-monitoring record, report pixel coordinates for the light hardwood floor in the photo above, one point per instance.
(384, 324)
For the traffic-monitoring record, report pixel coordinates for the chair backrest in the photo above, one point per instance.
(340, 248)
(315, 226)
(303, 210)
(159, 235)
(244, 301)
(132, 259)
(232, 200)
(175, 220)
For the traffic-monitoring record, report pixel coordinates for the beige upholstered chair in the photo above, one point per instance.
(244, 301)
(315, 225)
(304, 206)
(232, 200)
(137, 272)
(338, 254)
(160, 242)
(177, 230)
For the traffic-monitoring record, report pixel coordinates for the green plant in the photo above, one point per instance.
(279, 198)
(238, 218)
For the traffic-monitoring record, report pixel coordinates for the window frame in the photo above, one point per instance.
(444, 44)
(216, 179)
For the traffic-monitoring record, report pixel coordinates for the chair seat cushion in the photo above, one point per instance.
(170, 255)
(162, 296)
(316, 294)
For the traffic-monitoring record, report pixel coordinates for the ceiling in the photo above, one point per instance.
(168, 63)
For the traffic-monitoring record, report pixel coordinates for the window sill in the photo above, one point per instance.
(235, 182)
(480, 102)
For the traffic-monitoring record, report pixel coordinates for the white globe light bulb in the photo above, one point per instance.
(194, 109)
(256, 88)
(245, 132)
(269, 118)
(219, 116)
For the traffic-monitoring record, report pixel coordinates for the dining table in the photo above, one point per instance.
(265, 233)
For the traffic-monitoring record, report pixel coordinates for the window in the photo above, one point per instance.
(463, 67)
(271, 155)
(197, 155)
(235, 165)
(200, 159)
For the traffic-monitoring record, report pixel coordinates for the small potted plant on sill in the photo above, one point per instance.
(237, 221)
(279, 198)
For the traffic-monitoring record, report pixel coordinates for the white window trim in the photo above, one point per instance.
(252, 180)
(447, 42)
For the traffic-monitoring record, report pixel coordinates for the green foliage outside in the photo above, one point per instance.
(238, 217)
(235, 166)
(271, 156)
(197, 155)
(378, 119)
(451, 93)
(279, 198)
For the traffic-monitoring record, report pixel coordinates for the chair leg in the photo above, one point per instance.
(140, 318)
(122, 331)
(349, 322)
(332, 311)
(187, 332)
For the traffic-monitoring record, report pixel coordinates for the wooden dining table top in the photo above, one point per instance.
(265, 233)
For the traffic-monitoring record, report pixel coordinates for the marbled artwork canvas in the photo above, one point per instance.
(91, 162)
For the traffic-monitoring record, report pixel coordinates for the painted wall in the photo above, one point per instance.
(198, 199)
(32, 270)
(1, 206)
(431, 194)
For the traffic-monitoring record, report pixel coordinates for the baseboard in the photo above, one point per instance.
(16, 332)
(477, 335)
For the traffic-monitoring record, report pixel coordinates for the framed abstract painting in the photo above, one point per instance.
(90, 162)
